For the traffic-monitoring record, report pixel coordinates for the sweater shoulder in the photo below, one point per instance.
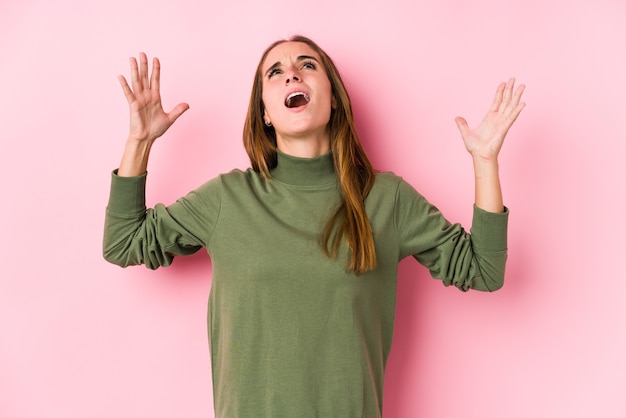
(239, 176)
(389, 184)
(239, 182)
(387, 179)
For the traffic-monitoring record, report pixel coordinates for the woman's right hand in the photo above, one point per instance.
(148, 121)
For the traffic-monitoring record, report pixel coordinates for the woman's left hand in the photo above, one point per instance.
(485, 141)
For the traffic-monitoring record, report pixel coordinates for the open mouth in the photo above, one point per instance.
(297, 99)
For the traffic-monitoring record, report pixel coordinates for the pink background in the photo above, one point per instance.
(82, 338)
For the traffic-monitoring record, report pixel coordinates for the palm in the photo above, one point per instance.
(148, 120)
(485, 141)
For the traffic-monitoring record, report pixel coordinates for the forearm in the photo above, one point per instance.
(488, 192)
(135, 158)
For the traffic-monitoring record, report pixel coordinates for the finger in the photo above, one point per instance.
(508, 93)
(134, 75)
(518, 94)
(461, 123)
(177, 111)
(155, 78)
(128, 93)
(512, 117)
(497, 100)
(143, 71)
(515, 99)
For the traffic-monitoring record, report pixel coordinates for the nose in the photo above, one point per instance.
(292, 76)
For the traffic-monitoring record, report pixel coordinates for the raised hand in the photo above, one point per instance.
(148, 121)
(485, 141)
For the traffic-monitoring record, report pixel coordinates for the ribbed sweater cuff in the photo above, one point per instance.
(128, 194)
(489, 230)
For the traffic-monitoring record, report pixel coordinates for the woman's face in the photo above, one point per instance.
(297, 95)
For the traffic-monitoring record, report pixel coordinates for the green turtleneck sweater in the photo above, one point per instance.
(291, 332)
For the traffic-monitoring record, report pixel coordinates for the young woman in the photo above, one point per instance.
(304, 245)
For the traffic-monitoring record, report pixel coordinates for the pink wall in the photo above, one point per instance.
(82, 338)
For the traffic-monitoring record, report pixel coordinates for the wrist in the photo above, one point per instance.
(135, 158)
(488, 193)
(485, 166)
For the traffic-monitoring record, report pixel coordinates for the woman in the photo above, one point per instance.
(305, 245)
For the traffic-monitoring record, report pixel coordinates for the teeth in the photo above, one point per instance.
(297, 93)
(296, 99)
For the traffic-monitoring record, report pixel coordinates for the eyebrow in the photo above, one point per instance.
(299, 59)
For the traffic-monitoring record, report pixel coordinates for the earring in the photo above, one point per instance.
(268, 123)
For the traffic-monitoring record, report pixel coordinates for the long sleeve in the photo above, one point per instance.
(136, 235)
(473, 260)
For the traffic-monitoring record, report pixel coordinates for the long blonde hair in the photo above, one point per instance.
(354, 170)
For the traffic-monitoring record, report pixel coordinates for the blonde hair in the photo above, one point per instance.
(354, 170)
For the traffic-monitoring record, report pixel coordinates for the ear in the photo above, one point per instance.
(333, 103)
(266, 118)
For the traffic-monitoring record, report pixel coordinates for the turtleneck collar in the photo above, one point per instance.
(298, 171)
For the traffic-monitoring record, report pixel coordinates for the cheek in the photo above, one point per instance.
(329, 94)
(268, 104)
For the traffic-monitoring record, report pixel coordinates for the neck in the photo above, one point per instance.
(309, 147)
